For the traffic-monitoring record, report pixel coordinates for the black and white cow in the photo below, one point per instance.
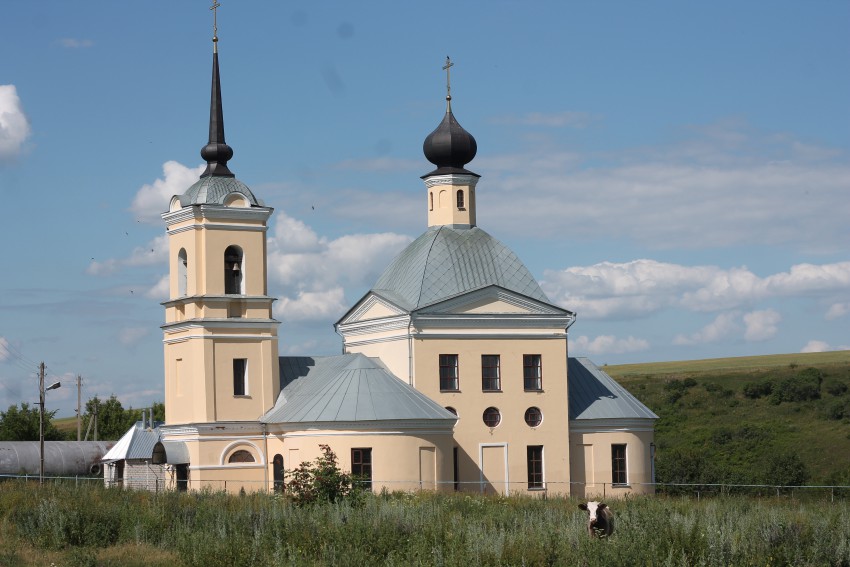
(600, 519)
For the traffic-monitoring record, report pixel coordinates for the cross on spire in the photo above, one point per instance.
(215, 5)
(447, 68)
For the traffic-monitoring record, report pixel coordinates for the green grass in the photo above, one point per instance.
(735, 438)
(84, 526)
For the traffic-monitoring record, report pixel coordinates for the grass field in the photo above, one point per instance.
(71, 526)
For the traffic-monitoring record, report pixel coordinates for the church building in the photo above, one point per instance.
(455, 372)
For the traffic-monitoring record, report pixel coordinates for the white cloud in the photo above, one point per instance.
(837, 310)
(722, 187)
(131, 335)
(816, 346)
(14, 126)
(607, 344)
(74, 43)
(761, 325)
(152, 199)
(155, 252)
(160, 289)
(724, 326)
(643, 287)
(312, 305)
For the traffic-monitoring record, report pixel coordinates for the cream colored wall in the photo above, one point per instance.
(591, 466)
(445, 210)
(394, 354)
(395, 456)
(513, 401)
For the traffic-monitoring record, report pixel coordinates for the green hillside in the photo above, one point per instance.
(781, 419)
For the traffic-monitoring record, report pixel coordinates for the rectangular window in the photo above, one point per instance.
(240, 365)
(532, 371)
(535, 467)
(490, 378)
(448, 372)
(361, 467)
(618, 465)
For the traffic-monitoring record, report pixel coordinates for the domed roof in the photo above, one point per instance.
(214, 190)
(445, 262)
(449, 147)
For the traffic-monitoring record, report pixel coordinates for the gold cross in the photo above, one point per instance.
(446, 68)
(215, 23)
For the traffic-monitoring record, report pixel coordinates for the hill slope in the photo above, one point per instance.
(781, 419)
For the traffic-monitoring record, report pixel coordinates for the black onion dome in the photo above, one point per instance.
(449, 147)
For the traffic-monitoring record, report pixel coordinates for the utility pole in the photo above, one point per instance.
(79, 414)
(41, 422)
(95, 422)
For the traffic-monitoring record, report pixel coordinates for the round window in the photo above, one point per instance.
(451, 409)
(492, 417)
(533, 417)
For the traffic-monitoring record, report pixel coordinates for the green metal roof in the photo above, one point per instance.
(446, 261)
(213, 190)
(593, 394)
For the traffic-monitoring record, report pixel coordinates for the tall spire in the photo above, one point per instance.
(216, 152)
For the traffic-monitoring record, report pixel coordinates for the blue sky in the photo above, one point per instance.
(675, 173)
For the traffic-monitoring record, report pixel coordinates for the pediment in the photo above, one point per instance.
(371, 307)
(491, 300)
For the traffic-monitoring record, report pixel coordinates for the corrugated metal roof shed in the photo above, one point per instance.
(348, 388)
(137, 443)
(445, 262)
(595, 395)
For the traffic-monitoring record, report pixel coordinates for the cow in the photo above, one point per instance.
(600, 521)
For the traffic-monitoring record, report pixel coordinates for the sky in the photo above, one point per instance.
(675, 173)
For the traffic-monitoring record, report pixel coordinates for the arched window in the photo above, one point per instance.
(492, 417)
(278, 472)
(451, 409)
(431, 201)
(182, 273)
(460, 204)
(158, 456)
(241, 456)
(233, 280)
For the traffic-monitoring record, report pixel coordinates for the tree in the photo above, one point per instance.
(22, 424)
(113, 420)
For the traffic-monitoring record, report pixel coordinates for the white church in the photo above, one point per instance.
(456, 372)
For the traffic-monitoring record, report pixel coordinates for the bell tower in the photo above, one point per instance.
(220, 340)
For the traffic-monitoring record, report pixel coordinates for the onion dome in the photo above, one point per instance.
(449, 146)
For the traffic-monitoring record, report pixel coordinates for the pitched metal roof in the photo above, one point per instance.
(595, 395)
(348, 388)
(213, 190)
(137, 443)
(446, 261)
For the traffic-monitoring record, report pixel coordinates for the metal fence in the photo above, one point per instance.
(577, 489)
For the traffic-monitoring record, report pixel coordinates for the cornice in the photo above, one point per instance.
(452, 179)
(376, 427)
(217, 323)
(612, 425)
(197, 212)
(219, 226)
(186, 299)
(392, 323)
(502, 320)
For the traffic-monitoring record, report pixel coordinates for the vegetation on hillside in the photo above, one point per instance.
(749, 424)
(86, 526)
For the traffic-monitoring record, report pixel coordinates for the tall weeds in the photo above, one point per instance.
(209, 529)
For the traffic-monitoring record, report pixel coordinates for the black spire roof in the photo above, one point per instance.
(449, 146)
(216, 152)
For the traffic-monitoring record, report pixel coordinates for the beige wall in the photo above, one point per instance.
(441, 195)
(592, 467)
(479, 444)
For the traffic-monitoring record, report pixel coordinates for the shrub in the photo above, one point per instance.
(756, 390)
(320, 481)
(786, 470)
(836, 388)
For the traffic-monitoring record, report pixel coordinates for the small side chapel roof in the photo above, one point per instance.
(348, 388)
(595, 395)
